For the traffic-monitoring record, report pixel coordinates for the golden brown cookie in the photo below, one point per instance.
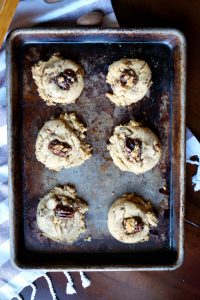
(130, 219)
(130, 79)
(58, 80)
(134, 148)
(60, 215)
(60, 143)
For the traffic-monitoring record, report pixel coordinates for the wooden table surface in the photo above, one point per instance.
(182, 283)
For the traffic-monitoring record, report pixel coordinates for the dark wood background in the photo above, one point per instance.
(184, 282)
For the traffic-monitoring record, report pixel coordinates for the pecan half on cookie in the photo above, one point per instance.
(133, 224)
(134, 149)
(65, 79)
(129, 77)
(64, 211)
(59, 148)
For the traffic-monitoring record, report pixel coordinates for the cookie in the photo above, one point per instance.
(58, 80)
(59, 143)
(61, 215)
(134, 148)
(130, 79)
(130, 219)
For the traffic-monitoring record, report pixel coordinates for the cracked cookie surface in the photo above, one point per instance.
(134, 148)
(59, 143)
(58, 80)
(61, 215)
(130, 79)
(130, 219)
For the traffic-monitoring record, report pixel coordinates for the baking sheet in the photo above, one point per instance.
(98, 181)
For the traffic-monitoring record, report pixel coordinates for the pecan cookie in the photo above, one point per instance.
(130, 79)
(58, 80)
(134, 148)
(59, 143)
(130, 219)
(60, 215)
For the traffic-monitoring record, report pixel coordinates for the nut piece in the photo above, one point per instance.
(64, 211)
(59, 148)
(128, 77)
(134, 149)
(65, 79)
(133, 225)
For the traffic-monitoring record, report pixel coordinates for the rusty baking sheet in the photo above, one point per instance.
(98, 181)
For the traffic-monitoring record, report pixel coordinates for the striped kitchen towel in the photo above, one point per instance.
(13, 280)
(193, 156)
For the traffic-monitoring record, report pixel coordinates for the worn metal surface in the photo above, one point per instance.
(98, 181)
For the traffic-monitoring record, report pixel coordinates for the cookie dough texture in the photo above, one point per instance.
(134, 148)
(60, 215)
(130, 219)
(59, 143)
(58, 80)
(130, 79)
